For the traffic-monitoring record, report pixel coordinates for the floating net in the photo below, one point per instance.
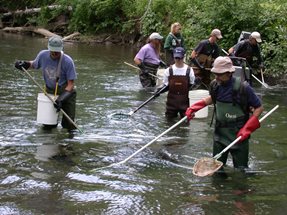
(206, 166)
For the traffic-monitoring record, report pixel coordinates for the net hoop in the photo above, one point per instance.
(206, 167)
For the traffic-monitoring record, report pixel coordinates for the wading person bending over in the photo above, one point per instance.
(174, 39)
(177, 80)
(248, 49)
(204, 55)
(59, 73)
(148, 60)
(233, 101)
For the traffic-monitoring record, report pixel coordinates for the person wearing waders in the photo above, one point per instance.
(203, 57)
(59, 73)
(177, 80)
(148, 60)
(237, 109)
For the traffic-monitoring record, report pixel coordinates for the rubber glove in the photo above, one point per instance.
(61, 99)
(21, 63)
(251, 125)
(194, 108)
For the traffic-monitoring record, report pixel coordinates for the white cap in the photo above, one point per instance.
(155, 36)
(217, 33)
(55, 44)
(256, 36)
(222, 65)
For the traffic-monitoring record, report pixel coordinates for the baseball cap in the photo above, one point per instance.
(216, 32)
(222, 65)
(178, 52)
(155, 35)
(256, 36)
(55, 44)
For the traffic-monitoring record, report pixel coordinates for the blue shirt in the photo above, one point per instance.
(49, 68)
(224, 94)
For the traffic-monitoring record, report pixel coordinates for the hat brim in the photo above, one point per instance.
(219, 37)
(178, 55)
(258, 40)
(156, 38)
(55, 49)
(221, 71)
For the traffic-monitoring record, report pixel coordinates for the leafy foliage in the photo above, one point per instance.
(198, 18)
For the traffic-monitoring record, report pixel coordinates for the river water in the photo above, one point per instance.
(52, 172)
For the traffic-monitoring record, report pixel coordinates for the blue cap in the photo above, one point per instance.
(178, 52)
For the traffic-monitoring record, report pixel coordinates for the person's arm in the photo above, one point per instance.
(137, 61)
(193, 54)
(167, 43)
(253, 122)
(70, 85)
(190, 111)
(231, 50)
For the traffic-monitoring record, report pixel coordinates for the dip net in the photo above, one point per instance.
(206, 166)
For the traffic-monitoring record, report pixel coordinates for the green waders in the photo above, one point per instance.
(229, 119)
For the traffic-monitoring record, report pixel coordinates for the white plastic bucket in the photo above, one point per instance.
(196, 95)
(46, 112)
(159, 74)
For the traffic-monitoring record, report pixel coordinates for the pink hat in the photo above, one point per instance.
(217, 33)
(222, 65)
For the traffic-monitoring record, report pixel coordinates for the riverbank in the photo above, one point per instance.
(134, 41)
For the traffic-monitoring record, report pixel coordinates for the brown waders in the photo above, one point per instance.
(204, 75)
(177, 97)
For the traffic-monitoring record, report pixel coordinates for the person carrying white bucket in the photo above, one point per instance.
(177, 80)
(233, 102)
(59, 73)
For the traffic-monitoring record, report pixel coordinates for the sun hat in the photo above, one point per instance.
(217, 33)
(55, 44)
(155, 35)
(222, 65)
(256, 36)
(178, 52)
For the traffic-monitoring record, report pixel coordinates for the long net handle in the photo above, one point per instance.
(238, 138)
(140, 69)
(151, 142)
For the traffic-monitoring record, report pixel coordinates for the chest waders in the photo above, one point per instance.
(177, 97)
(206, 61)
(230, 117)
(146, 79)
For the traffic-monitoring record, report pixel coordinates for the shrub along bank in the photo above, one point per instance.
(133, 20)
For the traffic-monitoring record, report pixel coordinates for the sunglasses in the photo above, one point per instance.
(178, 58)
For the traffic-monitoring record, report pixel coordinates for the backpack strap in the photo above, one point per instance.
(170, 71)
(213, 91)
(240, 87)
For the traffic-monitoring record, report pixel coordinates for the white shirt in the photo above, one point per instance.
(178, 72)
